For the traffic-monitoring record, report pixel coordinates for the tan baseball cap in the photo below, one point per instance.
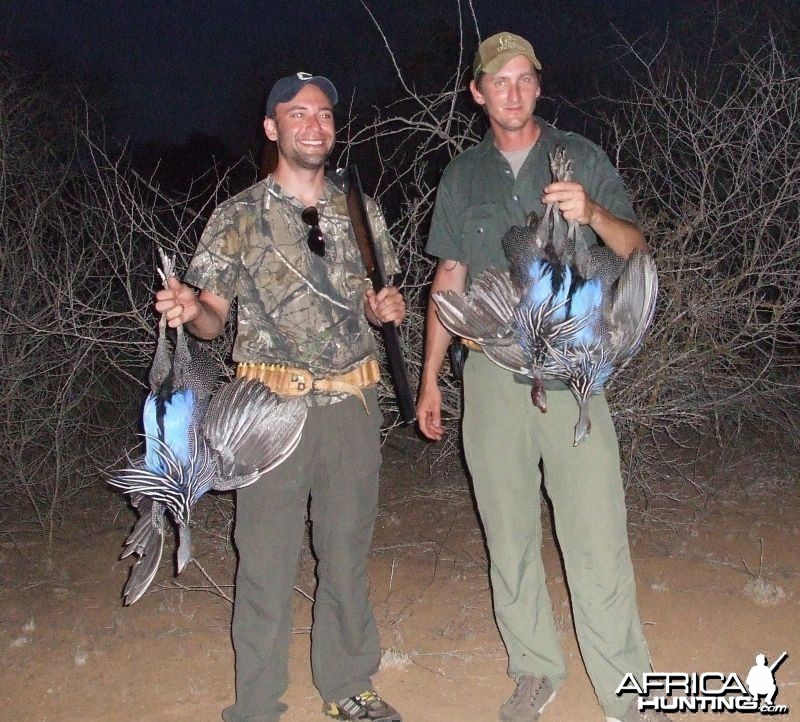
(494, 52)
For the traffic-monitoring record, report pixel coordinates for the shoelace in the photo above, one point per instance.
(366, 697)
(530, 693)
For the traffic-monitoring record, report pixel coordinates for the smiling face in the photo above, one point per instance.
(509, 96)
(303, 128)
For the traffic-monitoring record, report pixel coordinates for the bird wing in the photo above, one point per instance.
(147, 542)
(511, 358)
(632, 306)
(485, 313)
(252, 430)
(598, 262)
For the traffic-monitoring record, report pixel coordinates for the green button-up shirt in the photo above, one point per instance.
(479, 198)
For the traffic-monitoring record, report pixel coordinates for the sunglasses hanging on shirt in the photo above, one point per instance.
(316, 239)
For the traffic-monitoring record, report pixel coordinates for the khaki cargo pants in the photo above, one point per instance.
(336, 464)
(505, 435)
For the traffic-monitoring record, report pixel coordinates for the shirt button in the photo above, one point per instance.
(508, 170)
(516, 198)
(480, 230)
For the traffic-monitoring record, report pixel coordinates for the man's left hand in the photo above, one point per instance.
(386, 306)
(573, 201)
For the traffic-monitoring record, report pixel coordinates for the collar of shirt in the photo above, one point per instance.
(274, 190)
(487, 147)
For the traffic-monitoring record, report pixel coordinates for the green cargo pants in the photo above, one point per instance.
(337, 464)
(505, 436)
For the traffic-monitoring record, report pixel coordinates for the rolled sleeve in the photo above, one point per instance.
(216, 264)
(444, 238)
(608, 189)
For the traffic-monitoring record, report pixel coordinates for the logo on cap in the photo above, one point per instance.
(304, 76)
(507, 42)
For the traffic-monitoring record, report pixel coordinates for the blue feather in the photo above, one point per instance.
(541, 288)
(168, 421)
(152, 460)
(585, 302)
(177, 417)
(560, 296)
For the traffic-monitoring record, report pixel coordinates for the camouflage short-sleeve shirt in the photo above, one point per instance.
(294, 308)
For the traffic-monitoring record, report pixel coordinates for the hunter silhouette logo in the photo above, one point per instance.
(709, 691)
(761, 679)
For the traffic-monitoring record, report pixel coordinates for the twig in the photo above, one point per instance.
(213, 583)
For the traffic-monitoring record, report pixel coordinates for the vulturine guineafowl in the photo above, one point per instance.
(563, 310)
(618, 320)
(196, 441)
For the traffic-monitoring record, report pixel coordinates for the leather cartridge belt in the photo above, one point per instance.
(290, 381)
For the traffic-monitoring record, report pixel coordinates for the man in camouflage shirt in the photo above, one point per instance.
(285, 249)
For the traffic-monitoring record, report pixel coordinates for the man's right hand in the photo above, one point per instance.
(449, 276)
(178, 302)
(429, 412)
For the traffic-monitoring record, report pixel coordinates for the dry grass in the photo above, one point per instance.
(395, 659)
(764, 592)
(759, 588)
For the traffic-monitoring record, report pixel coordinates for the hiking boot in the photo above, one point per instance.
(634, 715)
(364, 706)
(530, 698)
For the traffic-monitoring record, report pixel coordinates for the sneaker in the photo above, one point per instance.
(634, 715)
(530, 698)
(365, 706)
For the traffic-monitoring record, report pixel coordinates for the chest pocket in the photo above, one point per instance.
(480, 239)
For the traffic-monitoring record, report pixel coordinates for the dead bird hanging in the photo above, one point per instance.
(562, 311)
(196, 440)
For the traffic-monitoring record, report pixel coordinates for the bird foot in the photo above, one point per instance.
(167, 269)
(560, 165)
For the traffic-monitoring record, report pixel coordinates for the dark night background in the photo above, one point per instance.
(184, 82)
(164, 74)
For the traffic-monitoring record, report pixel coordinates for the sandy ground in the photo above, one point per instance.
(716, 587)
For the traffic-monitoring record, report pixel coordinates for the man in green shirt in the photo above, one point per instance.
(285, 249)
(483, 192)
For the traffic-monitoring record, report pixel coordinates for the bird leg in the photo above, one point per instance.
(162, 360)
